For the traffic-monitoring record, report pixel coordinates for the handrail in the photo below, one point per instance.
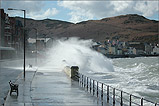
(98, 89)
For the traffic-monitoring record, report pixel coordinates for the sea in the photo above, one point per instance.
(137, 76)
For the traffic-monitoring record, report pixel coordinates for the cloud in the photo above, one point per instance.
(147, 8)
(84, 10)
(34, 9)
(29, 6)
(45, 14)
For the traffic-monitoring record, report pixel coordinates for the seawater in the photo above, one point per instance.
(138, 76)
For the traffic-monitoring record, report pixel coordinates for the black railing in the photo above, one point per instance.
(110, 94)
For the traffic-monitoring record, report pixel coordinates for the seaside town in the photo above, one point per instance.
(116, 48)
(12, 39)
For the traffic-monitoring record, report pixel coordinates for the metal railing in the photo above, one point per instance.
(110, 94)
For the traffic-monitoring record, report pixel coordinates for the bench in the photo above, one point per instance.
(13, 88)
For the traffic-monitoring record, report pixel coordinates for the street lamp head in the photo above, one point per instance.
(16, 9)
(10, 9)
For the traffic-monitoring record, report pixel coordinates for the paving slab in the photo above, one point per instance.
(54, 88)
(24, 98)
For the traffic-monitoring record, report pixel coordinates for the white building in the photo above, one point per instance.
(155, 50)
(112, 50)
(134, 51)
(119, 52)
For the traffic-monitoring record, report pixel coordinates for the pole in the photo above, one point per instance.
(36, 46)
(24, 44)
(45, 42)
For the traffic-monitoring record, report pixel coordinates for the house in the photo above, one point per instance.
(7, 33)
(119, 51)
(148, 49)
(2, 24)
(102, 49)
(112, 50)
(155, 50)
(134, 51)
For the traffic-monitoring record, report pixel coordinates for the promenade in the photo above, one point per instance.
(50, 88)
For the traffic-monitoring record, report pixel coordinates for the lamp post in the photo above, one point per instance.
(23, 32)
(45, 41)
(36, 44)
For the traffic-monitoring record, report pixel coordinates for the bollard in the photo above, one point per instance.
(74, 73)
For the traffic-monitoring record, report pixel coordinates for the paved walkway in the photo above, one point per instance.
(50, 89)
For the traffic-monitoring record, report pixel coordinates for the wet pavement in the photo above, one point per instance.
(24, 98)
(50, 89)
(7, 74)
(10, 69)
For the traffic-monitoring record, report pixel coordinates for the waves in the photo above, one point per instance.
(74, 51)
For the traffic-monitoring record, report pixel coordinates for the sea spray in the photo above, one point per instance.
(75, 51)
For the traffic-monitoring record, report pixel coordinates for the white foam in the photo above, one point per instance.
(75, 51)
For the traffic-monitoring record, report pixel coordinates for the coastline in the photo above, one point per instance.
(129, 56)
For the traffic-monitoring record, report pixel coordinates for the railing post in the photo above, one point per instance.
(102, 92)
(82, 80)
(130, 100)
(113, 96)
(97, 88)
(87, 83)
(107, 94)
(93, 87)
(141, 101)
(90, 85)
(79, 79)
(121, 98)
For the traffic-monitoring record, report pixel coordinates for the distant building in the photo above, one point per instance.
(18, 37)
(7, 34)
(41, 45)
(112, 50)
(130, 50)
(101, 49)
(49, 42)
(2, 24)
(119, 52)
(134, 51)
(140, 52)
(148, 49)
(140, 47)
(155, 50)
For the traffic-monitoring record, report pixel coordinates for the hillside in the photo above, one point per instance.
(131, 27)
